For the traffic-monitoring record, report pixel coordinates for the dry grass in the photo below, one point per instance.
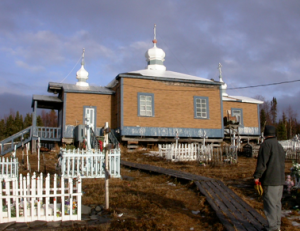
(157, 202)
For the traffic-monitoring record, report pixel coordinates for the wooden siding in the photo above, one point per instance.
(173, 104)
(250, 116)
(76, 101)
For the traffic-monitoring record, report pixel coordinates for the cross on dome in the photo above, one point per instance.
(82, 74)
(155, 56)
(224, 85)
(154, 39)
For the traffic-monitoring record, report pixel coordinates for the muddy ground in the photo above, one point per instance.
(147, 201)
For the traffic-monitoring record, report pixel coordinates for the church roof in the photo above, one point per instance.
(56, 87)
(164, 76)
(242, 99)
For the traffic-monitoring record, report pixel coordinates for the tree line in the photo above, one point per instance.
(286, 124)
(15, 122)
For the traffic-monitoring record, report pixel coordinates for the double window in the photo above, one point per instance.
(146, 104)
(201, 107)
(238, 113)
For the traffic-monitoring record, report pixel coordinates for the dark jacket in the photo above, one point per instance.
(270, 163)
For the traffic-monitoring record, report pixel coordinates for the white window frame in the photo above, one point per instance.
(238, 113)
(145, 104)
(201, 107)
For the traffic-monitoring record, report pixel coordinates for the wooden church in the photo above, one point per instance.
(150, 105)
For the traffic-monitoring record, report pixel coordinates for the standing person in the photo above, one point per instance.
(270, 172)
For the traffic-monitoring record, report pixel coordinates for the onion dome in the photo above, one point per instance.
(155, 56)
(82, 74)
(224, 85)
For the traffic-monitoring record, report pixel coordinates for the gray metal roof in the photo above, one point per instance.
(56, 87)
(164, 76)
(242, 99)
(45, 100)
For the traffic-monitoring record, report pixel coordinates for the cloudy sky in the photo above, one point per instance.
(257, 42)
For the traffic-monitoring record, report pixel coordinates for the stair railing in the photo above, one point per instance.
(7, 145)
(93, 139)
(113, 139)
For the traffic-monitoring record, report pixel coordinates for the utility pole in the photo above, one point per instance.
(107, 175)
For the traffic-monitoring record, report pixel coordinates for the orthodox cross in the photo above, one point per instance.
(220, 71)
(82, 61)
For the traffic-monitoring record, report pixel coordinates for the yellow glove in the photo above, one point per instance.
(258, 188)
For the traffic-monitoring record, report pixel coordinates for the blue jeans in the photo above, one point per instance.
(272, 206)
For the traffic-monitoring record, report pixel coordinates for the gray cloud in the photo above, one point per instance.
(256, 41)
(13, 103)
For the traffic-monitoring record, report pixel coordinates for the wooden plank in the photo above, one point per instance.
(243, 208)
(220, 215)
(251, 210)
(241, 215)
(132, 146)
(237, 204)
(166, 171)
(215, 196)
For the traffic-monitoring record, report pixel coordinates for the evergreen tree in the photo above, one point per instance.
(291, 122)
(281, 131)
(273, 111)
(282, 128)
(263, 119)
(27, 120)
(2, 129)
(18, 122)
(39, 121)
(9, 125)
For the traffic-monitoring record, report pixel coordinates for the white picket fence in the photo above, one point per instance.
(9, 167)
(198, 152)
(185, 152)
(31, 198)
(89, 163)
(205, 153)
(290, 144)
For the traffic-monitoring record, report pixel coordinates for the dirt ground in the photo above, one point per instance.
(147, 201)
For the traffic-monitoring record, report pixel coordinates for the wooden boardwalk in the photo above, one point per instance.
(234, 213)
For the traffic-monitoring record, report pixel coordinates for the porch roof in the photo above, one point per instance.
(46, 101)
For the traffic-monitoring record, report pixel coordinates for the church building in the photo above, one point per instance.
(150, 105)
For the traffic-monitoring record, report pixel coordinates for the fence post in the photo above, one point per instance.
(54, 199)
(106, 167)
(27, 149)
(38, 146)
(1, 205)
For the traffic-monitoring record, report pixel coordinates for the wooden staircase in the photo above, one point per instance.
(132, 145)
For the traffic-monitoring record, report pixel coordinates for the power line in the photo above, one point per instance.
(71, 70)
(264, 85)
(213, 89)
